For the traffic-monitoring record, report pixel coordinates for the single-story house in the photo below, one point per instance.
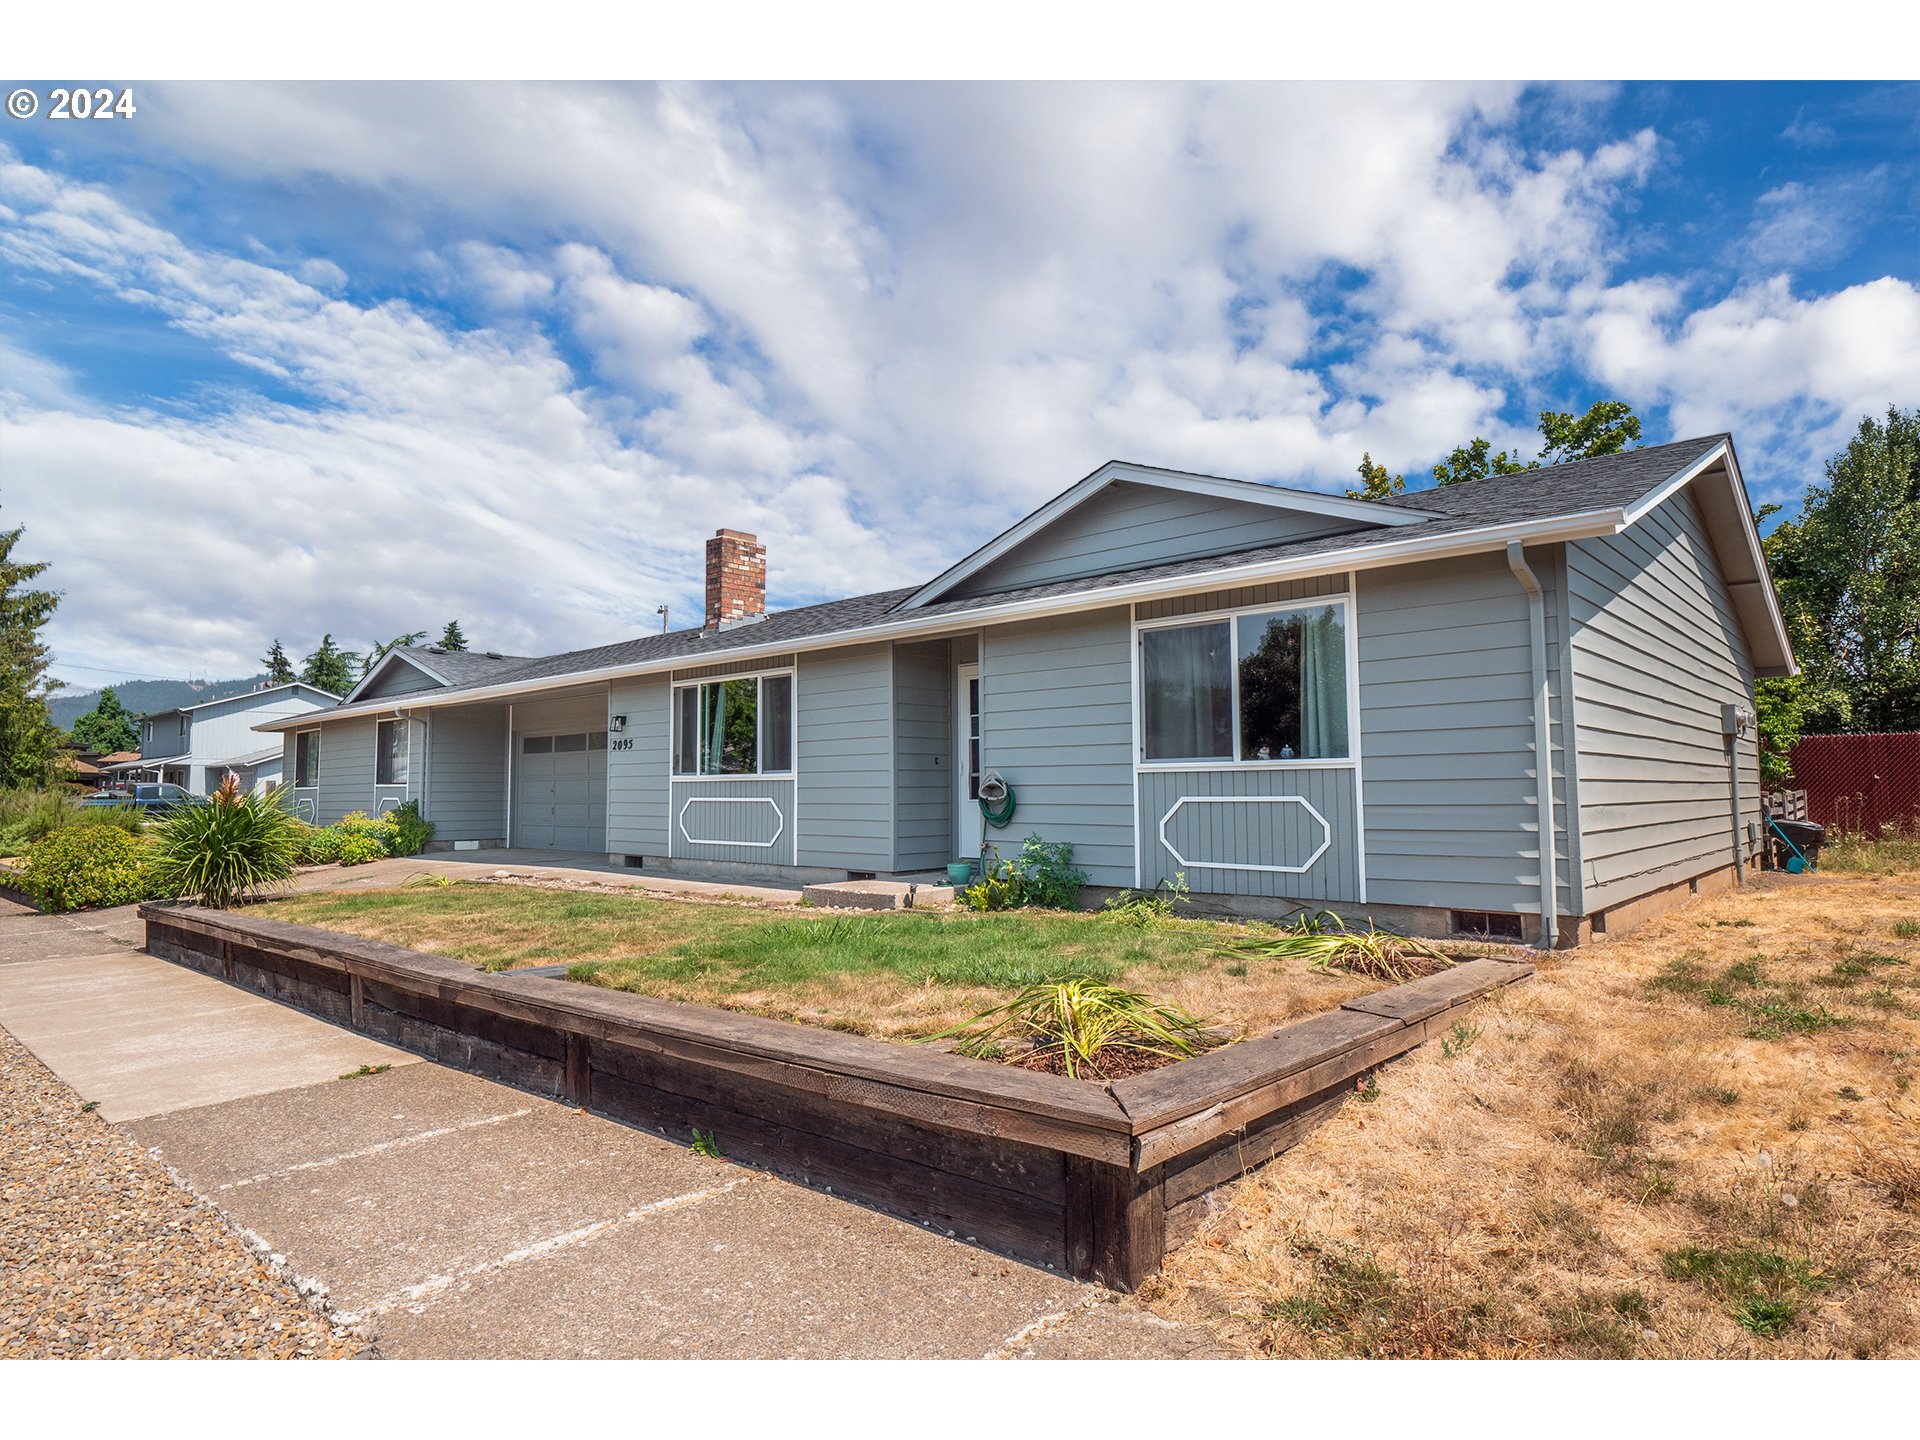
(198, 746)
(1287, 697)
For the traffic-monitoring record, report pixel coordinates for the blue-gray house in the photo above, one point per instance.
(1285, 696)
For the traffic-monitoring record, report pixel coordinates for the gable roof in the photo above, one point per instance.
(443, 667)
(314, 690)
(1252, 492)
(1578, 500)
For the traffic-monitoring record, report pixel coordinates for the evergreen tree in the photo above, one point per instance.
(453, 637)
(380, 652)
(29, 740)
(108, 727)
(330, 668)
(279, 667)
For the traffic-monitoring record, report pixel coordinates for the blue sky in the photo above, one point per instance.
(367, 357)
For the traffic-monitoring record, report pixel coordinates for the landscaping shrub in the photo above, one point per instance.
(79, 867)
(410, 832)
(240, 844)
(357, 848)
(357, 838)
(1081, 1020)
(30, 815)
(1326, 942)
(1043, 875)
(320, 845)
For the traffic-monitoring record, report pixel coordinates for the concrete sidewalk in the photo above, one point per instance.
(456, 1217)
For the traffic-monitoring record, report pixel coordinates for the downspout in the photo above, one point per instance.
(1542, 738)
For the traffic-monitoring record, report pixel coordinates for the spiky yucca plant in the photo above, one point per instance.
(1327, 942)
(1081, 1019)
(235, 846)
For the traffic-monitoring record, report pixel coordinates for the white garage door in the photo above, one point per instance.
(560, 791)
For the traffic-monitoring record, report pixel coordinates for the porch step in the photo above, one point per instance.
(877, 895)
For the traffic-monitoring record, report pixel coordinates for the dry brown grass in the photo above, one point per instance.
(1660, 1146)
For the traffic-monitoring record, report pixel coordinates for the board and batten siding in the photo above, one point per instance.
(923, 755)
(637, 778)
(1214, 826)
(1275, 592)
(1447, 734)
(845, 758)
(1056, 702)
(1127, 525)
(1657, 650)
(466, 773)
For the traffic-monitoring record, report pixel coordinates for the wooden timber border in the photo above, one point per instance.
(1096, 1181)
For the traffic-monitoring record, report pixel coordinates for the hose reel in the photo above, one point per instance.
(996, 800)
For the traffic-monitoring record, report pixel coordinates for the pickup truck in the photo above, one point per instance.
(154, 799)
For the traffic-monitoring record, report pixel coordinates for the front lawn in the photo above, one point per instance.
(894, 974)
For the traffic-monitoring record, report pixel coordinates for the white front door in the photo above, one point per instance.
(966, 762)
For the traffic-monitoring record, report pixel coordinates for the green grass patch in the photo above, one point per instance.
(1762, 1289)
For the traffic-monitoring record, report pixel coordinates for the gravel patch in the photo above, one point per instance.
(102, 1254)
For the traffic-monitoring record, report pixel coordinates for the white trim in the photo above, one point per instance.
(510, 777)
(1179, 767)
(1326, 832)
(1582, 525)
(1311, 502)
(963, 752)
(373, 674)
(1354, 739)
(407, 732)
(793, 723)
(313, 730)
(779, 829)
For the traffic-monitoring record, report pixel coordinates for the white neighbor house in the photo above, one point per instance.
(198, 746)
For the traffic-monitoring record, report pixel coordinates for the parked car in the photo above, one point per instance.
(154, 799)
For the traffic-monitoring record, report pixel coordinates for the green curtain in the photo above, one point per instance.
(1323, 683)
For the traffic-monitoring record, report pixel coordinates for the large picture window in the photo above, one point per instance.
(1261, 687)
(390, 753)
(306, 758)
(734, 727)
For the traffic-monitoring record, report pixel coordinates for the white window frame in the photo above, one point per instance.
(1350, 761)
(793, 725)
(314, 784)
(406, 736)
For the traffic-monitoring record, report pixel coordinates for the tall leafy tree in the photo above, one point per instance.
(29, 740)
(108, 727)
(380, 652)
(1606, 428)
(329, 667)
(279, 668)
(1376, 481)
(453, 637)
(1848, 569)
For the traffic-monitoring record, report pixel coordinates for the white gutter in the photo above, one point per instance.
(1542, 739)
(1583, 525)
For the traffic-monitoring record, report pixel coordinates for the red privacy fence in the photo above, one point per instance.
(1860, 782)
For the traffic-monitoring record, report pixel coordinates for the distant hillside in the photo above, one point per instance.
(144, 697)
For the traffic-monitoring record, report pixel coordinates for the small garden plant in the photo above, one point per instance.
(242, 844)
(1143, 908)
(1327, 942)
(1043, 875)
(1085, 1026)
(358, 838)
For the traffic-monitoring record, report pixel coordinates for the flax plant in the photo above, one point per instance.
(237, 846)
(1083, 1019)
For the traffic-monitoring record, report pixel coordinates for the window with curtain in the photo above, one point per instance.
(306, 758)
(390, 753)
(734, 727)
(1260, 687)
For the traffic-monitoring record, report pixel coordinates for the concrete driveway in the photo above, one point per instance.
(454, 1217)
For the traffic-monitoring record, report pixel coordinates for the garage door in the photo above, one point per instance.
(560, 791)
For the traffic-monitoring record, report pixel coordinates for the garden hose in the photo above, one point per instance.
(996, 800)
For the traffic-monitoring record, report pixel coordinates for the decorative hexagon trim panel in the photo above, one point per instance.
(1326, 832)
(779, 819)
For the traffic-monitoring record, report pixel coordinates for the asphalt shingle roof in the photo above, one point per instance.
(1570, 489)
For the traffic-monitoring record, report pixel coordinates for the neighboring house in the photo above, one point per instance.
(198, 746)
(1287, 697)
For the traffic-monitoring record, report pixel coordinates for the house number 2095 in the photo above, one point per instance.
(626, 744)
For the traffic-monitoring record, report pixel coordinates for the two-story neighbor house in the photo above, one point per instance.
(1520, 704)
(198, 746)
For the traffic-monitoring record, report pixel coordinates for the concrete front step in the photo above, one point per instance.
(877, 895)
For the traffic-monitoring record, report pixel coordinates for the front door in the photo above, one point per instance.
(966, 762)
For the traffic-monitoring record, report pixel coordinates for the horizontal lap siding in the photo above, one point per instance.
(1057, 722)
(923, 748)
(402, 679)
(1447, 736)
(561, 714)
(1259, 831)
(708, 814)
(346, 770)
(637, 778)
(845, 700)
(1657, 650)
(467, 773)
(1127, 526)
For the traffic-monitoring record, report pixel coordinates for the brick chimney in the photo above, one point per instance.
(736, 578)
